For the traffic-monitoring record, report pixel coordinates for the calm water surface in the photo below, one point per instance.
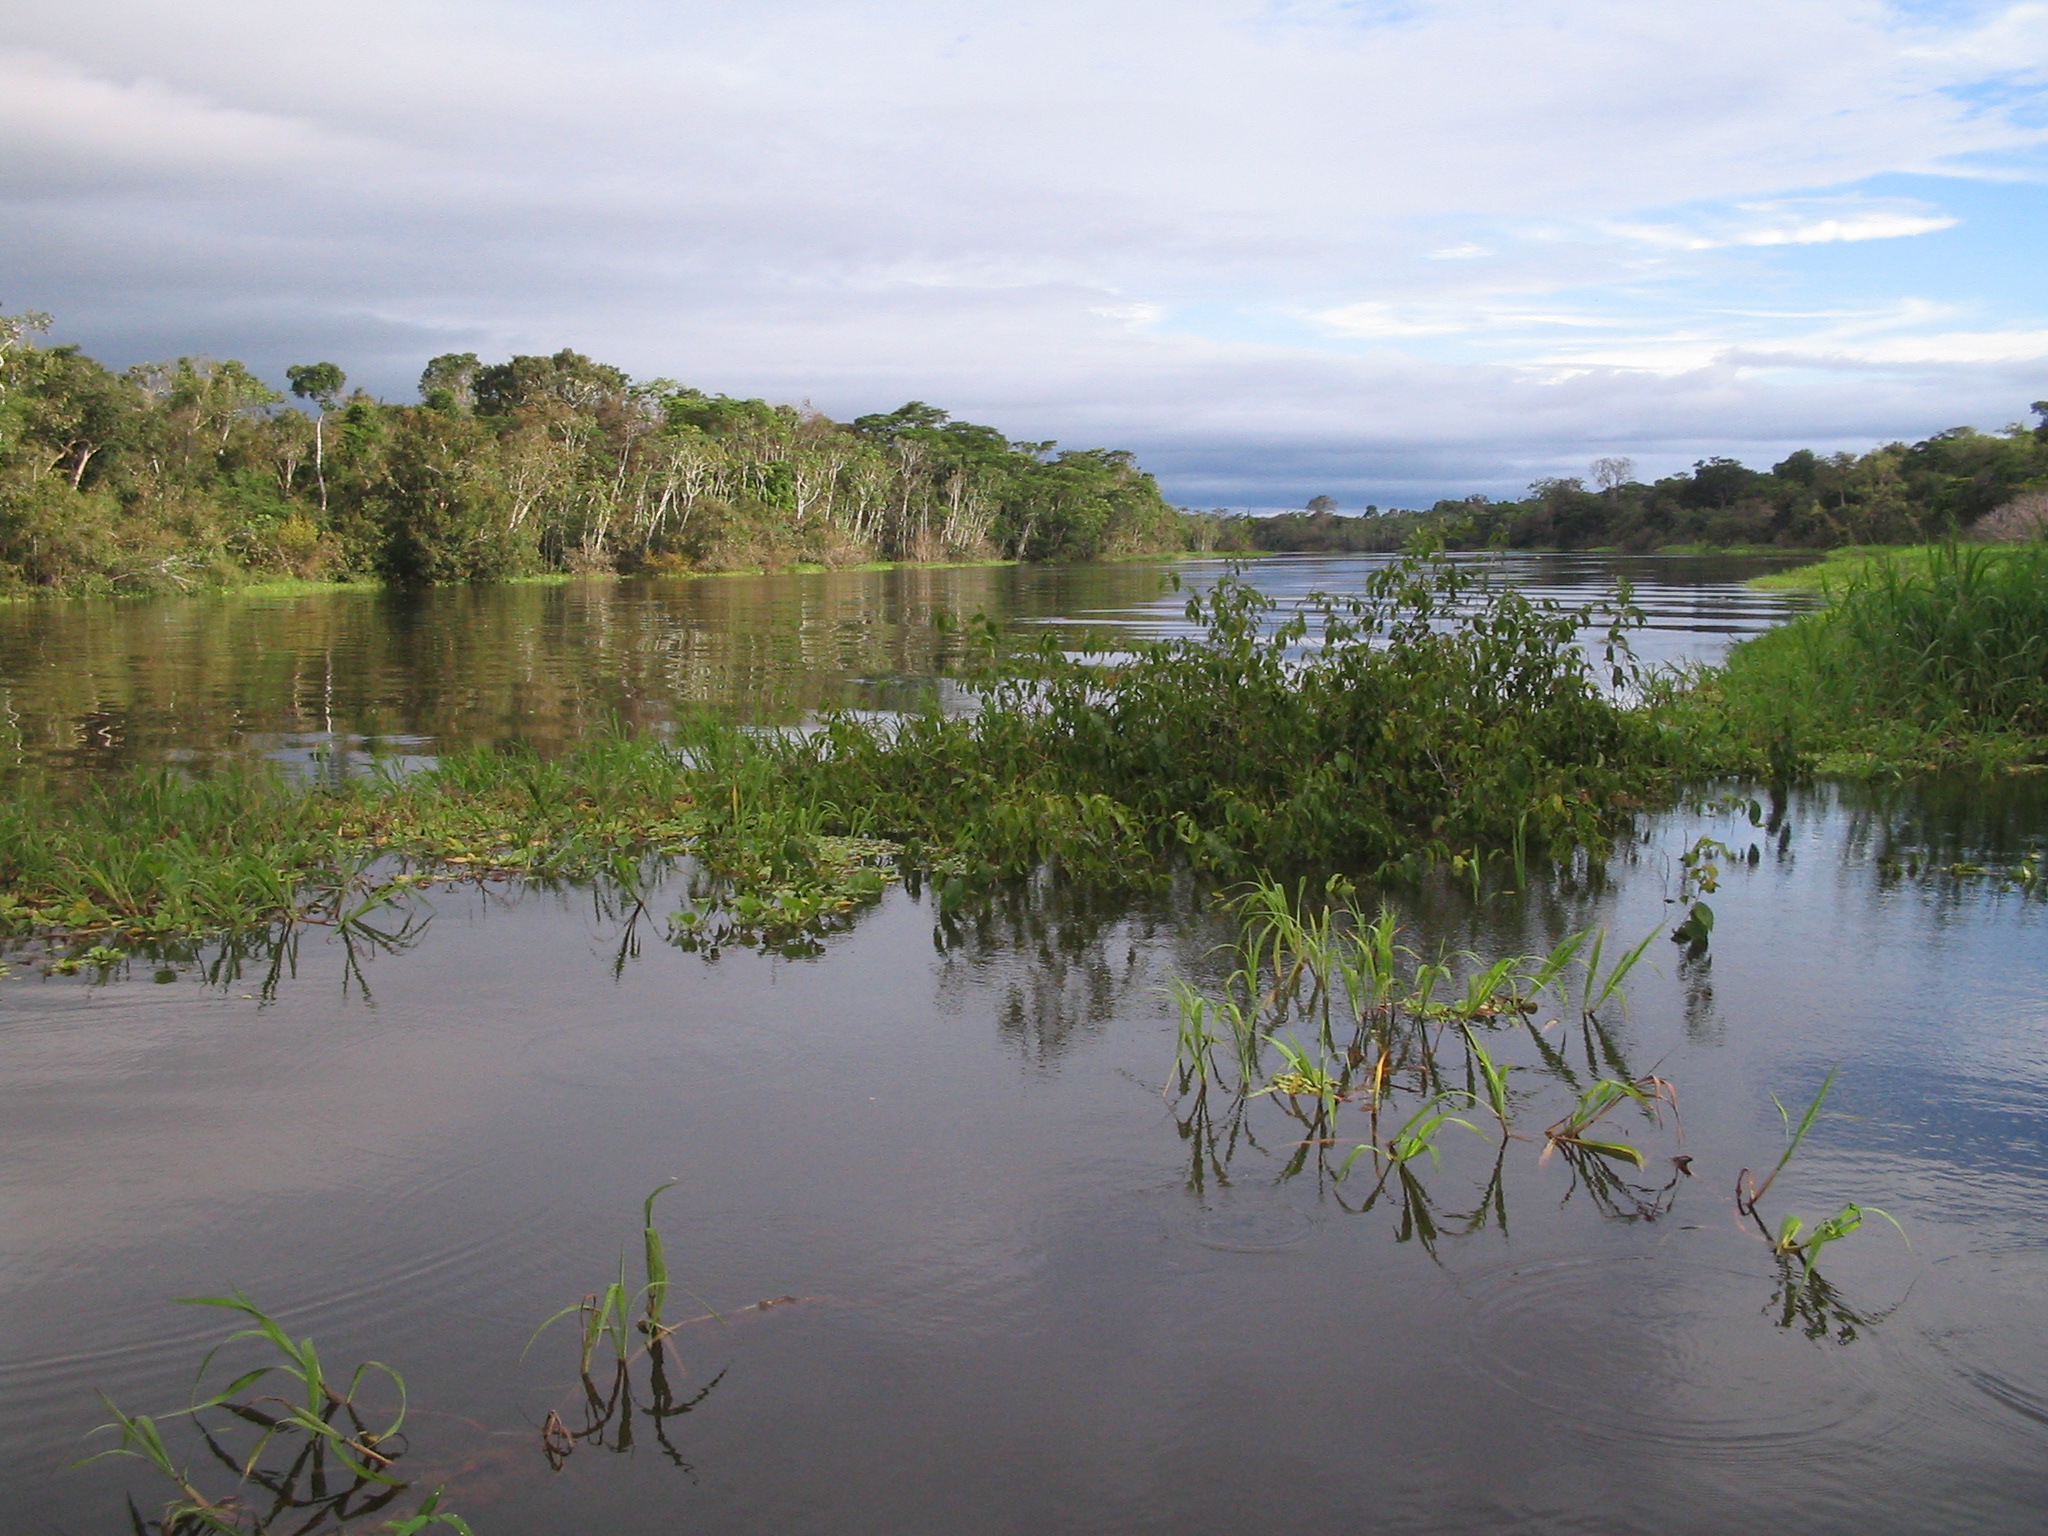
(1017, 1309)
(100, 684)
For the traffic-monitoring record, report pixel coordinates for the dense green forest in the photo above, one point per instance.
(1896, 494)
(196, 473)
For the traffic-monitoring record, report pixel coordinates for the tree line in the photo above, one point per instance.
(1961, 481)
(170, 476)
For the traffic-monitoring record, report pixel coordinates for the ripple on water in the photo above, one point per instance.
(1985, 1313)
(1656, 1350)
(1248, 1227)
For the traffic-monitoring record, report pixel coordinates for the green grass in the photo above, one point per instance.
(1924, 659)
(1835, 569)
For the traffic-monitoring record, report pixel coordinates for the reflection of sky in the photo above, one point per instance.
(1693, 609)
(959, 1157)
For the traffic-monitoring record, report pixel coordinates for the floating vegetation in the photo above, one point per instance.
(302, 1456)
(1431, 721)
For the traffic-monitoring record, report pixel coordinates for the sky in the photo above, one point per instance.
(1376, 250)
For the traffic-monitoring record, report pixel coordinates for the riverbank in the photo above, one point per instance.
(1834, 570)
(292, 586)
(1926, 657)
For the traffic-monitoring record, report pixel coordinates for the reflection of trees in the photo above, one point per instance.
(1950, 833)
(103, 684)
(1065, 960)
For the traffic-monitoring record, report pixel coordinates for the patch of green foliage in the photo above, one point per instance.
(1934, 658)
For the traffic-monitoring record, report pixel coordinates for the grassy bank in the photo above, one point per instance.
(1838, 569)
(1925, 658)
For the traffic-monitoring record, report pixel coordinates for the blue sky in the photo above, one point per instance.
(1384, 251)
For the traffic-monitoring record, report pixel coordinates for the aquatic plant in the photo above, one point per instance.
(336, 1467)
(606, 1316)
(1376, 1052)
(1798, 1249)
(1607, 1094)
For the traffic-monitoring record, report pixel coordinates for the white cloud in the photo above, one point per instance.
(2011, 41)
(1010, 210)
(1869, 226)
(1811, 221)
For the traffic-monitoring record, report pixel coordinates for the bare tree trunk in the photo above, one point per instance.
(320, 459)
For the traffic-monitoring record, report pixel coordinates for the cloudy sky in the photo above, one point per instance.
(1382, 250)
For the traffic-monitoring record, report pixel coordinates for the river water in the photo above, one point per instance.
(1025, 1298)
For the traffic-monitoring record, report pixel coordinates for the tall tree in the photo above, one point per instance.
(321, 383)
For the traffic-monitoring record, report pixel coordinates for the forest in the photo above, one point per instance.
(1962, 481)
(197, 473)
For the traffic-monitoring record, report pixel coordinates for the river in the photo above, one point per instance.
(1024, 1296)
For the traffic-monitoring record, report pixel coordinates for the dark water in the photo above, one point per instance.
(1014, 1310)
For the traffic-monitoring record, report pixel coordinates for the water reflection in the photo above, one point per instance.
(355, 674)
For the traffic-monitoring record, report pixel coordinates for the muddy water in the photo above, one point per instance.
(1017, 1308)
